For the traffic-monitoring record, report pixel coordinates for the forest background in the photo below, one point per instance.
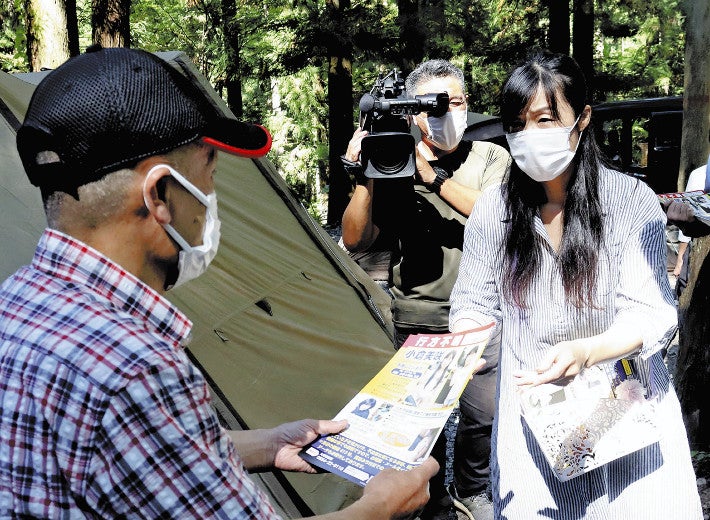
(301, 66)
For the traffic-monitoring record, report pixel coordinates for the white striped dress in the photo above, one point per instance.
(633, 291)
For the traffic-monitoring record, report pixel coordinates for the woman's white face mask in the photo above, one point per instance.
(543, 153)
(445, 132)
(194, 260)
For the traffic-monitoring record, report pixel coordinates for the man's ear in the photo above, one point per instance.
(154, 191)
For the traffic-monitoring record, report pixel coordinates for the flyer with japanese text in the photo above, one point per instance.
(395, 419)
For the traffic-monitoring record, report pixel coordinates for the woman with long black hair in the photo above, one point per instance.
(568, 256)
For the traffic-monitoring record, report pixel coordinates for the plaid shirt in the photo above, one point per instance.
(102, 414)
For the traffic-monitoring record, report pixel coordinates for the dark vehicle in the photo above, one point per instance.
(640, 136)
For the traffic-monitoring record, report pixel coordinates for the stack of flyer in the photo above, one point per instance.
(603, 414)
(395, 419)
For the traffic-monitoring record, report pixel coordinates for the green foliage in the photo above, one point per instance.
(284, 45)
(83, 15)
(13, 56)
(192, 27)
(297, 123)
(699, 456)
(641, 56)
(701, 464)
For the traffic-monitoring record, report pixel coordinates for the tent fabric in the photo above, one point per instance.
(286, 325)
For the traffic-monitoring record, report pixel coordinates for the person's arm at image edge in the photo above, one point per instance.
(391, 494)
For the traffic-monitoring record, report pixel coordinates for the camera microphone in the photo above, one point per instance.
(367, 103)
(436, 105)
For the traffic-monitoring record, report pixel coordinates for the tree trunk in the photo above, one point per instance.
(110, 23)
(411, 35)
(558, 37)
(432, 20)
(693, 375)
(232, 80)
(340, 116)
(696, 101)
(72, 27)
(583, 41)
(47, 40)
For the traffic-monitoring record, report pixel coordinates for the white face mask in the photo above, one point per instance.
(543, 153)
(193, 260)
(445, 132)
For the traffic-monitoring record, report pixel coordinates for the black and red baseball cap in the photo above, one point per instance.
(108, 109)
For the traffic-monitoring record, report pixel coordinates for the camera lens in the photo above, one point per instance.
(388, 154)
(388, 160)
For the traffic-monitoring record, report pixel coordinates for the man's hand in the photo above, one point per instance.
(352, 154)
(279, 447)
(563, 362)
(681, 214)
(288, 439)
(425, 173)
(400, 494)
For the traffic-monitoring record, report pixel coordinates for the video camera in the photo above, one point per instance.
(388, 149)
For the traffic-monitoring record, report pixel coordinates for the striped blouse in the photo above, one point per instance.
(632, 291)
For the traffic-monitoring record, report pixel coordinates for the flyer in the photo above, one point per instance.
(603, 414)
(395, 419)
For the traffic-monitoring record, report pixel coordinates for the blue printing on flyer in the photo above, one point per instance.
(350, 459)
(399, 414)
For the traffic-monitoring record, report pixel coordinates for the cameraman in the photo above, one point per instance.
(425, 217)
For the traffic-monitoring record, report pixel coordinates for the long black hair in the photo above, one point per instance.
(560, 78)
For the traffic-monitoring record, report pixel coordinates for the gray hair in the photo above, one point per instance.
(431, 69)
(100, 200)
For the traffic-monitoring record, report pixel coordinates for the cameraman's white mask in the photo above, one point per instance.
(194, 260)
(445, 132)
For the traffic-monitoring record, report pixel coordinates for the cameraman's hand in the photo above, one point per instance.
(425, 173)
(352, 154)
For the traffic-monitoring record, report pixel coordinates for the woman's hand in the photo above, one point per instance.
(563, 362)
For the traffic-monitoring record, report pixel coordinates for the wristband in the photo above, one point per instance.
(355, 169)
(441, 176)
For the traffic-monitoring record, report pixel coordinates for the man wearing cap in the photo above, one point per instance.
(101, 412)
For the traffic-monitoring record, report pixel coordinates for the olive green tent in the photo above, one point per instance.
(286, 325)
